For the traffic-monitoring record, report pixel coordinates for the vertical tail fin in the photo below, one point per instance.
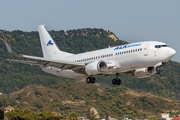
(49, 47)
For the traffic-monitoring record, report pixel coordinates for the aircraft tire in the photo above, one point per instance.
(118, 82)
(93, 80)
(114, 81)
(88, 79)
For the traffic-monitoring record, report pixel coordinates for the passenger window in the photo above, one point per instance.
(116, 54)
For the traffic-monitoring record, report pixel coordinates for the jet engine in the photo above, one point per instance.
(97, 67)
(144, 72)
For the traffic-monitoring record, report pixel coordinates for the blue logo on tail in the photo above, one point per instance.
(49, 43)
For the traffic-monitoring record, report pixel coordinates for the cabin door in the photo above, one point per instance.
(146, 49)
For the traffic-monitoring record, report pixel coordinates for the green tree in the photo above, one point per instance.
(2, 113)
(73, 116)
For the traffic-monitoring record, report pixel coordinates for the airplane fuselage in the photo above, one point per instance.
(127, 57)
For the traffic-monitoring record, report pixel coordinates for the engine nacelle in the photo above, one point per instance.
(144, 72)
(96, 67)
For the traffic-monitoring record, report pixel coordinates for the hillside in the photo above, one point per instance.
(15, 76)
(166, 84)
(79, 97)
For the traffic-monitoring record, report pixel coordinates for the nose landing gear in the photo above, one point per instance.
(158, 71)
(116, 81)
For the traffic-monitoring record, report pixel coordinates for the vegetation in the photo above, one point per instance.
(70, 95)
(15, 76)
(19, 114)
(116, 101)
(166, 84)
(73, 116)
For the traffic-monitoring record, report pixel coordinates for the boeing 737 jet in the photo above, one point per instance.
(141, 59)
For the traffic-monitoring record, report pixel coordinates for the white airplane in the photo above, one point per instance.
(142, 59)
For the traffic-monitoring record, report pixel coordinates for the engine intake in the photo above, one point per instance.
(96, 67)
(150, 70)
(102, 66)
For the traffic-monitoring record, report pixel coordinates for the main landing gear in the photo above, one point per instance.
(90, 80)
(116, 81)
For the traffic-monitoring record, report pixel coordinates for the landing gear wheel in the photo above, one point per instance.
(88, 79)
(93, 80)
(114, 81)
(118, 81)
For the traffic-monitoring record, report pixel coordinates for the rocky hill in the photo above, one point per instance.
(135, 97)
(15, 76)
(78, 96)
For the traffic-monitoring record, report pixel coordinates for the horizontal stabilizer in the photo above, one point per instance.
(10, 50)
(26, 62)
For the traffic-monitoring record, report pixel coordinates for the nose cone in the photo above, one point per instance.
(170, 53)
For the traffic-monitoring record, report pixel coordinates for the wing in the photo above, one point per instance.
(63, 65)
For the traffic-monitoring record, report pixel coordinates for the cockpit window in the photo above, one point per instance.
(159, 46)
(164, 45)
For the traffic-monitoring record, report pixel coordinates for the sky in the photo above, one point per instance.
(130, 20)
